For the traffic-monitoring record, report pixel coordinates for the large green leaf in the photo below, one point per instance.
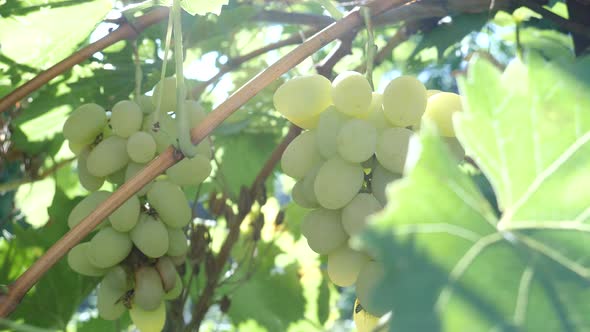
(199, 7)
(60, 291)
(451, 264)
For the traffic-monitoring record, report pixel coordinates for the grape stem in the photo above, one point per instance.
(157, 111)
(166, 159)
(371, 47)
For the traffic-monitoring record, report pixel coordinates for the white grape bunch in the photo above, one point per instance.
(134, 250)
(355, 146)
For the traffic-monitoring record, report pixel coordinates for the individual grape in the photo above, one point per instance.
(196, 112)
(131, 170)
(118, 177)
(108, 248)
(368, 278)
(178, 260)
(125, 217)
(364, 321)
(167, 88)
(150, 236)
(176, 291)
(87, 180)
(145, 104)
(165, 135)
(404, 101)
(440, 110)
(328, 127)
(86, 206)
(344, 265)
(375, 115)
(109, 302)
(108, 156)
(299, 196)
(430, 93)
(85, 123)
(351, 93)
(300, 155)
(177, 244)
(308, 185)
(148, 321)
(356, 140)
(76, 148)
(141, 147)
(126, 118)
(323, 230)
(148, 288)
(380, 178)
(355, 213)
(392, 148)
(170, 203)
(337, 182)
(190, 171)
(116, 279)
(167, 271)
(79, 262)
(303, 98)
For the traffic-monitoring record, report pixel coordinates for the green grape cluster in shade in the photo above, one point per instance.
(136, 249)
(356, 144)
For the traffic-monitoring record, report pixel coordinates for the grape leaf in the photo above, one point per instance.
(200, 7)
(450, 263)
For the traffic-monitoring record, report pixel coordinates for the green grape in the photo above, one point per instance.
(167, 88)
(125, 217)
(131, 170)
(145, 104)
(430, 93)
(108, 156)
(79, 262)
(178, 260)
(392, 148)
(76, 148)
(150, 236)
(141, 147)
(87, 180)
(116, 279)
(328, 127)
(170, 203)
(204, 148)
(85, 123)
(190, 171)
(367, 280)
(109, 247)
(177, 244)
(196, 112)
(109, 302)
(118, 177)
(404, 101)
(300, 155)
(176, 291)
(86, 206)
(303, 98)
(380, 178)
(323, 230)
(440, 110)
(337, 182)
(148, 321)
(148, 288)
(308, 185)
(166, 134)
(356, 140)
(167, 271)
(351, 93)
(126, 118)
(375, 115)
(344, 265)
(355, 213)
(298, 195)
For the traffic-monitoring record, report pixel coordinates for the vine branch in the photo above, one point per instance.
(125, 31)
(166, 159)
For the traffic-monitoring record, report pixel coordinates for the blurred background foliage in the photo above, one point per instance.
(273, 281)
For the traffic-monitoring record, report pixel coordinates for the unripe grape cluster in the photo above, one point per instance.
(356, 144)
(136, 248)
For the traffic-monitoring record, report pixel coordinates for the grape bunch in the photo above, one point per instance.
(136, 248)
(357, 142)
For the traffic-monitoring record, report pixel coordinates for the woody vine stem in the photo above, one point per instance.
(21, 286)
